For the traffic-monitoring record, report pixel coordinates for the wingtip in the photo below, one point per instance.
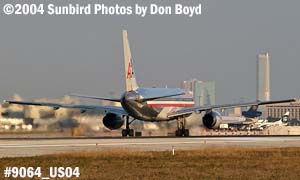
(292, 100)
(5, 102)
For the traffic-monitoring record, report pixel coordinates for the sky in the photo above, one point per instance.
(49, 56)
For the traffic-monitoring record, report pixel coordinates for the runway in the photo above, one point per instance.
(34, 147)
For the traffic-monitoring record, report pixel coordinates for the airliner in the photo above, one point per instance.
(149, 104)
(262, 124)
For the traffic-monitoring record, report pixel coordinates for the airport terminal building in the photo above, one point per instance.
(204, 92)
(277, 110)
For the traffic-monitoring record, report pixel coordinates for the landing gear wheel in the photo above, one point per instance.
(137, 133)
(131, 132)
(178, 132)
(181, 131)
(186, 132)
(127, 131)
(124, 132)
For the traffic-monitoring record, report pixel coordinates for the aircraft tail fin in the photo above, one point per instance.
(131, 83)
(252, 112)
(285, 117)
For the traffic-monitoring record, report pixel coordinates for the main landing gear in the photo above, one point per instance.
(181, 131)
(127, 131)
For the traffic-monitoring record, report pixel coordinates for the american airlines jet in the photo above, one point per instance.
(149, 104)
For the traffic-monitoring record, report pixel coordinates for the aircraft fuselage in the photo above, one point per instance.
(133, 104)
(138, 109)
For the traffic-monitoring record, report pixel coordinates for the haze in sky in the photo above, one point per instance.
(50, 56)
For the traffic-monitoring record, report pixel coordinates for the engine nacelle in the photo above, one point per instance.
(212, 120)
(113, 121)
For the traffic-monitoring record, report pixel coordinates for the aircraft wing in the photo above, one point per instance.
(190, 110)
(111, 109)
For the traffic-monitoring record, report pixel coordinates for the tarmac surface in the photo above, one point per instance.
(34, 146)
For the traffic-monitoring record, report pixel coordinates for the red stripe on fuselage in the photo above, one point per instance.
(170, 105)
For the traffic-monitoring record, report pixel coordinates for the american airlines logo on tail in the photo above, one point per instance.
(130, 70)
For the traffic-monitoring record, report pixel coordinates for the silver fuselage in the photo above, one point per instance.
(137, 108)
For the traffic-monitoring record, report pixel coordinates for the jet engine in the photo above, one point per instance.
(212, 119)
(113, 121)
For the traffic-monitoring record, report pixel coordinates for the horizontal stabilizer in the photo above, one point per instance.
(95, 97)
(149, 94)
(159, 97)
